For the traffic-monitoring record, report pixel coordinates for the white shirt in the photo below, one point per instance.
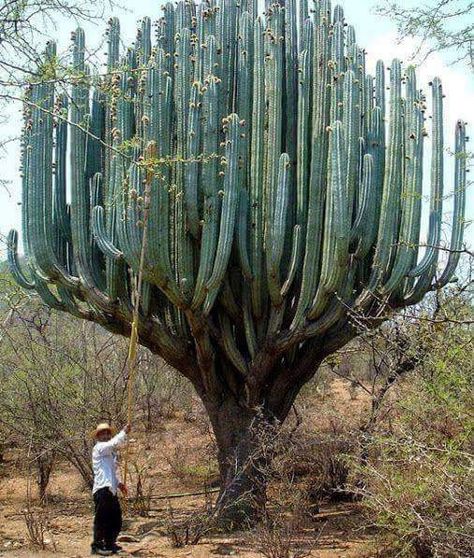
(104, 463)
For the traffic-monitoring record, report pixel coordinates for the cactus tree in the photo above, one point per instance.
(285, 194)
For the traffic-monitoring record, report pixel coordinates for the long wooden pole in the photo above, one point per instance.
(137, 289)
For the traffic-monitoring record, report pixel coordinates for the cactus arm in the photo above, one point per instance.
(436, 198)
(291, 83)
(273, 90)
(380, 87)
(294, 260)
(14, 264)
(459, 207)
(256, 172)
(387, 228)
(199, 42)
(133, 217)
(113, 43)
(375, 147)
(211, 202)
(230, 346)
(277, 232)
(118, 128)
(336, 227)
(303, 14)
(95, 129)
(242, 235)
(166, 35)
(183, 16)
(414, 248)
(182, 247)
(100, 234)
(420, 287)
(144, 42)
(411, 192)
(61, 216)
(133, 232)
(351, 130)
(228, 212)
(114, 228)
(80, 188)
(303, 136)
(160, 114)
(275, 319)
(362, 232)
(336, 309)
(228, 302)
(337, 63)
(192, 169)
(113, 57)
(244, 89)
(316, 194)
(249, 324)
(96, 187)
(125, 180)
(47, 296)
(338, 16)
(350, 37)
(243, 95)
(226, 28)
(42, 233)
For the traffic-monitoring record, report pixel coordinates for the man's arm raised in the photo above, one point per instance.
(104, 448)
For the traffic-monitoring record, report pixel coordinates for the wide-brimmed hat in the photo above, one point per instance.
(101, 428)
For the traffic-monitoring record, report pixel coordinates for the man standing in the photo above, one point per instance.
(108, 515)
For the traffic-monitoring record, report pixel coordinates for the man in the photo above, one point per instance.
(108, 515)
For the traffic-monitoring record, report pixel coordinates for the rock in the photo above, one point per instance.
(128, 538)
(145, 528)
(224, 550)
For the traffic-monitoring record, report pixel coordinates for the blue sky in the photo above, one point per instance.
(376, 34)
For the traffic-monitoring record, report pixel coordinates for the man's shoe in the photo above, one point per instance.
(104, 552)
(116, 548)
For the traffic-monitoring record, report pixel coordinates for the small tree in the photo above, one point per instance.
(439, 25)
(58, 379)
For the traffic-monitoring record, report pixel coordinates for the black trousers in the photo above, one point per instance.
(107, 519)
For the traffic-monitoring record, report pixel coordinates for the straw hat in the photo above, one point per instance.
(101, 427)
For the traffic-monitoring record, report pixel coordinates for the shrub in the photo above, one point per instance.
(418, 480)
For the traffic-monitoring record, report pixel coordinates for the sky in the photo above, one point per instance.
(375, 33)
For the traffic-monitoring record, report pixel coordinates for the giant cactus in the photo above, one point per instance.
(285, 195)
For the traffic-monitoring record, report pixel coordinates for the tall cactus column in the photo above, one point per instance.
(285, 195)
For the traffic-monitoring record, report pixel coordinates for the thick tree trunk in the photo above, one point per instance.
(244, 440)
(245, 426)
(241, 464)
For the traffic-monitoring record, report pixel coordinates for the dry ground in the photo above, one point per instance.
(339, 530)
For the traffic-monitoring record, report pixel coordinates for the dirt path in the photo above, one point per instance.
(334, 533)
